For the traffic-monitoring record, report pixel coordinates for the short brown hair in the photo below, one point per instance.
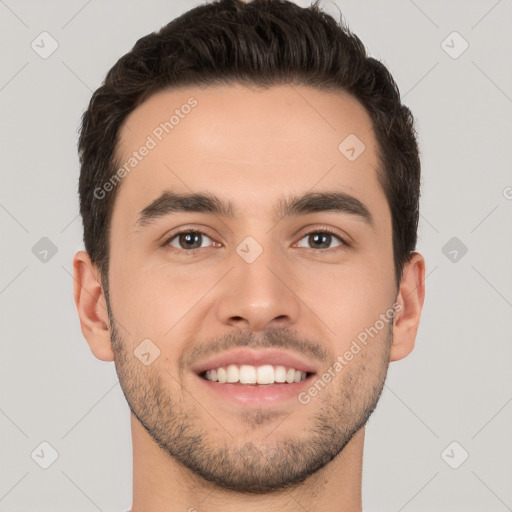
(263, 43)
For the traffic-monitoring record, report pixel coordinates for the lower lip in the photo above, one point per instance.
(254, 394)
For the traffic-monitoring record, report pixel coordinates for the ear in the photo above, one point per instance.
(409, 305)
(92, 307)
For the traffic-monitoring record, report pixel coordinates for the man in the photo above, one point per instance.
(249, 191)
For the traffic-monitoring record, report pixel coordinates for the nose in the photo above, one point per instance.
(259, 294)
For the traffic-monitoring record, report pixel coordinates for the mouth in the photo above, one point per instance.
(255, 378)
(252, 394)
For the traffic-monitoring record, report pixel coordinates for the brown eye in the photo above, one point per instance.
(187, 240)
(322, 240)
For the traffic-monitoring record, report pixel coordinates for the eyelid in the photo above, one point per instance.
(196, 228)
(316, 228)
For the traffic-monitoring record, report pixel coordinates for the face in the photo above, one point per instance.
(270, 283)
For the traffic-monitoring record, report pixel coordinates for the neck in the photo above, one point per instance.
(162, 484)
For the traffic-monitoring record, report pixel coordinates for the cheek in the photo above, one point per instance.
(347, 297)
(158, 302)
(350, 301)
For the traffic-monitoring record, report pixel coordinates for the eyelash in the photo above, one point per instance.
(343, 245)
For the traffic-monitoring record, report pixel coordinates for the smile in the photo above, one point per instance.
(248, 374)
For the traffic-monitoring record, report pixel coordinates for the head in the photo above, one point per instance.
(249, 122)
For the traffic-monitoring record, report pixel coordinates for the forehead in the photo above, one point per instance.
(246, 144)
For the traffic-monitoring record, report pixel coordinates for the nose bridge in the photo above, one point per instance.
(255, 292)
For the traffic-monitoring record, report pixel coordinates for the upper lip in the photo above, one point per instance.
(255, 358)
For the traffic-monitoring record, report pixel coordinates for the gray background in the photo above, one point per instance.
(455, 386)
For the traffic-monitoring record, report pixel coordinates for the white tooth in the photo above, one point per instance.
(247, 374)
(280, 374)
(265, 374)
(221, 374)
(207, 375)
(233, 373)
(290, 376)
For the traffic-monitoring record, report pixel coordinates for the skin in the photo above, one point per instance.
(253, 147)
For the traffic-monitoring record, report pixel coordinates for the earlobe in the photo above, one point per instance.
(409, 304)
(91, 306)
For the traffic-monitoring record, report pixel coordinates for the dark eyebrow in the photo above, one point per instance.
(311, 202)
(171, 202)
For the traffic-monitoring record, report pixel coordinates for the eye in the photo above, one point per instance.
(189, 240)
(322, 239)
(193, 240)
